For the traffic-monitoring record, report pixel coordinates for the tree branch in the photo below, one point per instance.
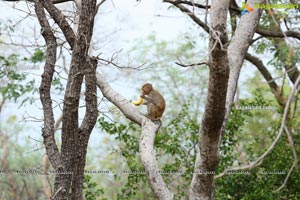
(189, 13)
(267, 33)
(295, 163)
(118, 100)
(198, 5)
(60, 20)
(45, 96)
(91, 112)
(148, 158)
(268, 77)
(236, 52)
(146, 144)
(191, 65)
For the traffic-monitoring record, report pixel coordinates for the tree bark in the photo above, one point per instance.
(148, 157)
(237, 50)
(70, 162)
(207, 158)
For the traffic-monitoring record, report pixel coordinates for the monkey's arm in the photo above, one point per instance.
(148, 99)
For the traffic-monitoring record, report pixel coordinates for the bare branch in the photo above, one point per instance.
(148, 157)
(59, 18)
(268, 77)
(45, 96)
(287, 177)
(98, 6)
(189, 13)
(191, 65)
(118, 100)
(111, 61)
(236, 52)
(272, 33)
(198, 5)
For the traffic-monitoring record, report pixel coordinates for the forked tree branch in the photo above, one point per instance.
(61, 21)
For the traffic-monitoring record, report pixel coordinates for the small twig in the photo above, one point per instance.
(98, 5)
(61, 188)
(191, 65)
(296, 102)
(107, 62)
(254, 40)
(282, 75)
(290, 139)
(287, 177)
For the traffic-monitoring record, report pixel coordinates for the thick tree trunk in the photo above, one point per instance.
(207, 158)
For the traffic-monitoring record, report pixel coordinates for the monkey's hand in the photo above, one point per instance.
(138, 102)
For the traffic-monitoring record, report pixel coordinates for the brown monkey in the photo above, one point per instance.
(154, 101)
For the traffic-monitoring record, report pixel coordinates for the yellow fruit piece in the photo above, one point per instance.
(138, 102)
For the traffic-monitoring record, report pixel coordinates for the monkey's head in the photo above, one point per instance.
(146, 89)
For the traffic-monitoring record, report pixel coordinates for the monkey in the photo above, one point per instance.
(154, 101)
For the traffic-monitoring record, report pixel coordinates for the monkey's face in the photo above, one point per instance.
(146, 89)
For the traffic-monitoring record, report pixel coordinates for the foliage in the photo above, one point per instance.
(258, 130)
(13, 84)
(20, 164)
(175, 149)
(91, 189)
(38, 56)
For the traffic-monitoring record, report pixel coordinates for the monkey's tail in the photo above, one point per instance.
(155, 120)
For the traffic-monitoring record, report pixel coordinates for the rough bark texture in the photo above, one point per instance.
(48, 130)
(75, 138)
(207, 158)
(71, 161)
